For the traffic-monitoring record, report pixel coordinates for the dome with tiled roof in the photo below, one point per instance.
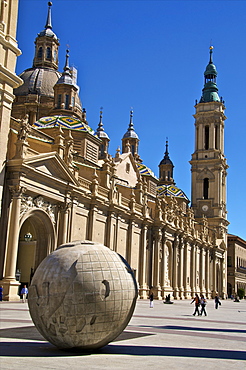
(170, 190)
(65, 122)
(144, 170)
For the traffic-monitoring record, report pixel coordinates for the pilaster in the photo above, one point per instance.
(156, 270)
(10, 285)
(142, 263)
(175, 268)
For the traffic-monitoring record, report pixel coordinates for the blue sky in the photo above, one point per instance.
(151, 56)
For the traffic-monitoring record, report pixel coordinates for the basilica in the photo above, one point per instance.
(61, 184)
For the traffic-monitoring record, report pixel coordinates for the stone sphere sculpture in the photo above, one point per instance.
(82, 295)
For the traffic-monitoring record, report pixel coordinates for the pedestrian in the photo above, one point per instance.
(24, 292)
(1, 293)
(151, 300)
(217, 301)
(197, 304)
(203, 302)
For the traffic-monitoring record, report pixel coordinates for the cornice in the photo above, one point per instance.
(10, 43)
(9, 77)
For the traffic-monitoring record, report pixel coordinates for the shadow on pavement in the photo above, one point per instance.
(31, 333)
(193, 328)
(32, 349)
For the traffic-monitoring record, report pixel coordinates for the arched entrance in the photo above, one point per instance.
(37, 239)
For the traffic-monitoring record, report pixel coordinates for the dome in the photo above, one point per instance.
(47, 32)
(210, 70)
(166, 160)
(210, 92)
(130, 133)
(38, 81)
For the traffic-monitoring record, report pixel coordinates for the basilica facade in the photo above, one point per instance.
(61, 184)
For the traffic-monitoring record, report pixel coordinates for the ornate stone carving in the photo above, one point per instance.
(27, 203)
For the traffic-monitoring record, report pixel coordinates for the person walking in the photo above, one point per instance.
(203, 302)
(24, 292)
(217, 301)
(197, 304)
(151, 300)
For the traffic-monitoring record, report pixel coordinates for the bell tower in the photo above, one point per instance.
(46, 45)
(208, 163)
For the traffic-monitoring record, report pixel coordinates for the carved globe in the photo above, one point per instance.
(82, 295)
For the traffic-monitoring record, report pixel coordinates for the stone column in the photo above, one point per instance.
(202, 271)
(156, 267)
(129, 242)
(197, 267)
(186, 266)
(224, 275)
(109, 230)
(193, 270)
(175, 268)
(10, 285)
(91, 222)
(214, 280)
(162, 265)
(207, 274)
(181, 269)
(142, 264)
(63, 234)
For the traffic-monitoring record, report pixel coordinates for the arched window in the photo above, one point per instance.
(59, 101)
(66, 101)
(216, 136)
(206, 141)
(40, 53)
(102, 149)
(133, 149)
(48, 53)
(205, 188)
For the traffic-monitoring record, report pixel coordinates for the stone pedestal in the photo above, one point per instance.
(10, 289)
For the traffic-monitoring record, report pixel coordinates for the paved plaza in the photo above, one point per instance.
(160, 337)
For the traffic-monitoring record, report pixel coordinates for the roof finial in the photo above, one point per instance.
(48, 21)
(66, 67)
(211, 53)
(166, 152)
(101, 113)
(131, 119)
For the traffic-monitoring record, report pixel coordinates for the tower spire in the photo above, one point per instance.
(66, 66)
(47, 44)
(48, 21)
(100, 130)
(103, 136)
(131, 138)
(166, 169)
(210, 90)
